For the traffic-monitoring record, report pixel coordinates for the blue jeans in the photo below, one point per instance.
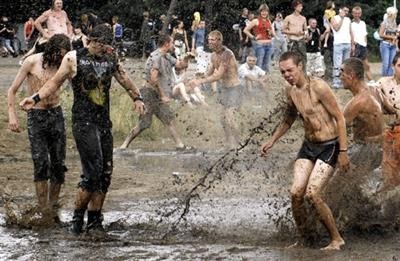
(263, 54)
(340, 53)
(388, 51)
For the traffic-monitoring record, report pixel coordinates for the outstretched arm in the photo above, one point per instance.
(122, 77)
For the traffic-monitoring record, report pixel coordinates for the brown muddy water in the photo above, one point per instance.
(204, 205)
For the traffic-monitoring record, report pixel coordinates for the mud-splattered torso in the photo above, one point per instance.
(319, 124)
(91, 87)
(226, 58)
(389, 90)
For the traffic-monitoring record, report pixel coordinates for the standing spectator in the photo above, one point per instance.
(279, 41)
(180, 40)
(342, 42)
(198, 44)
(328, 14)
(243, 39)
(146, 34)
(315, 62)
(78, 40)
(295, 27)
(262, 37)
(8, 34)
(86, 26)
(29, 29)
(56, 19)
(327, 52)
(118, 32)
(196, 21)
(359, 29)
(388, 45)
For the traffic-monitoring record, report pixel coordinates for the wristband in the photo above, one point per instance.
(138, 98)
(36, 98)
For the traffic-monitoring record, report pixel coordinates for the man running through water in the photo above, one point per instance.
(91, 70)
(325, 142)
(46, 127)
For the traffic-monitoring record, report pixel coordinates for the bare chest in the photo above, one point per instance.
(306, 102)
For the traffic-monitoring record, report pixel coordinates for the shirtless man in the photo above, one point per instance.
(224, 68)
(45, 121)
(388, 89)
(325, 142)
(91, 70)
(56, 19)
(295, 27)
(363, 111)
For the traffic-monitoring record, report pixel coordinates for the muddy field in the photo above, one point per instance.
(239, 207)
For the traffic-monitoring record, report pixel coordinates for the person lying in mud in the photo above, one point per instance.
(46, 129)
(91, 70)
(325, 142)
(364, 113)
(157, 92)
(224, 69)
(388, 90)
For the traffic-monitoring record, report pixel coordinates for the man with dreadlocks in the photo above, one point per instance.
(91, 70)
(46, 128)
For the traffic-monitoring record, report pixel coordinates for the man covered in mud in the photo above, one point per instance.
(224, 69)
(91, 70)
(325, 142)
(364, 113)
(388, 90)
(157, 92)
(46, 127)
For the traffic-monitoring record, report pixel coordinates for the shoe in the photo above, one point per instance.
(77, 221)
(94, 222)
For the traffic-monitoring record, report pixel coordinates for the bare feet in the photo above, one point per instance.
(334, 245)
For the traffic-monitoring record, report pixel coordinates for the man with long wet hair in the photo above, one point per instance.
(91, 70)
(325, 142)
(46, 127)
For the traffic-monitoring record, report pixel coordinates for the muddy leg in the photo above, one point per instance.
(95, 218)
(81, 202)
(174, 133)
(319, 177)
(54, 193)
(302, 170)
(42, 193)
(230, 127)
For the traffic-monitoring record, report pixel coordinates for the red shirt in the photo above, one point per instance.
(263, 29)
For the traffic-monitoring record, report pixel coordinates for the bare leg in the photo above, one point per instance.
(180, 89)
(42, 193)
(230, 127)
(302, 171)
(131, 136)
(200, 96)
(175, 136)
(319, 177)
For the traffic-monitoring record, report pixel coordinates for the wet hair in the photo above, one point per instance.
(163, 39)
(396, 58)
(263, 7)
(329, 4)
(294, 56)
(295, 3)
(52, 53)
(356, 66)
(102, 33)
(217, 34)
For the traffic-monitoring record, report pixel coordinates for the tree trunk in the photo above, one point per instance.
(171, 10)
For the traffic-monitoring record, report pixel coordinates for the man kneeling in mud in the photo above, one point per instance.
(46, 127)
(91, 70)
(364, 113)
(325, 142)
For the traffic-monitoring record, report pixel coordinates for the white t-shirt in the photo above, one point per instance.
(343, 35)
(359, 33)
(244, 70)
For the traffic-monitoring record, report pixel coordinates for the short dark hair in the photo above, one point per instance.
(163, 39)
(355, 65)
(102, 33)
(294, 56)
(295, 3)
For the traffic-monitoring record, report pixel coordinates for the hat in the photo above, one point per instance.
(102, 33)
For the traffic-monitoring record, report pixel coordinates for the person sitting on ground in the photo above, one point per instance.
(183, 89)
(251, 75)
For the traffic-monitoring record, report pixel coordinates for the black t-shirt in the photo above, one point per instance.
(312, 45)
(91, 87)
